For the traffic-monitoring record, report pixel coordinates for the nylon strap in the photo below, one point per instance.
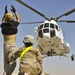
(24, 51)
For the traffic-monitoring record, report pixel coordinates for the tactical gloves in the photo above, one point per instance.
(6, 11)
(13, 9)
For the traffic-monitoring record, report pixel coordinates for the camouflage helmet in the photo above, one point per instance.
(28, 39)
(9, 16)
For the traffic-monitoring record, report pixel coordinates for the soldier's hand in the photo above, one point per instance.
(6, 11)
(13, 9)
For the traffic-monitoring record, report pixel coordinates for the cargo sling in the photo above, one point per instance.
(24, 51)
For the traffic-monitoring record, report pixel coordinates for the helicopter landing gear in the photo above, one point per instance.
(72, 57)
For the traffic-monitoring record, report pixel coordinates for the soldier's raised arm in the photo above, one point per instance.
(6, 11)
(16, 14)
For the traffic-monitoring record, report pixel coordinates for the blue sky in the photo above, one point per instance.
(50, 8)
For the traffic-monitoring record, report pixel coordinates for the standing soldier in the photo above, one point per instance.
(9, 31)
(30, 58)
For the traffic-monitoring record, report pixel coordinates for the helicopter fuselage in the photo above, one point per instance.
(50, 39)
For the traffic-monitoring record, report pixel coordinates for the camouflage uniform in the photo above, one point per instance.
(31, 62)
(9, 49)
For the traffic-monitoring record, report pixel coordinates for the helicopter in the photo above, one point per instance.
(50, 38)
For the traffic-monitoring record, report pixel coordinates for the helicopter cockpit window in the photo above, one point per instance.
(56, 27)
(45, 30)
(40, 34)
(51, 25)
(46, 25)
(40, 27)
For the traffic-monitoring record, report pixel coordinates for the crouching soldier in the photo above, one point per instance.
(30, 58)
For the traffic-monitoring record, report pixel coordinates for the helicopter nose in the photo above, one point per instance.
(46, 36)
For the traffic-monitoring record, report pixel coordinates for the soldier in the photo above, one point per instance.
(9, 31)
(30, 58)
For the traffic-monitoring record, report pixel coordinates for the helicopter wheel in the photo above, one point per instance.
(72, 57)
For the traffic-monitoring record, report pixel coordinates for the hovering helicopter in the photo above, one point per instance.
(50, 37)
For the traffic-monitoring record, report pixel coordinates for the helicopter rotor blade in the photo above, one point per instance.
(29, 7)
(66, 14)
(32, 22)
(68, 21)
